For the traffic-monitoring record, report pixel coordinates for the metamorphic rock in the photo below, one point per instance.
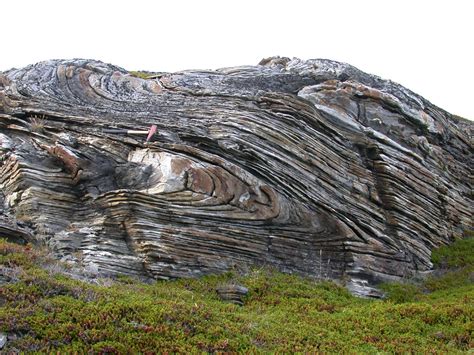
(307, 166)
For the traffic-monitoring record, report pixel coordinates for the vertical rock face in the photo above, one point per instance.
(312, 167)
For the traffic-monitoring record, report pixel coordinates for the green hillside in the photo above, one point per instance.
(43, 310)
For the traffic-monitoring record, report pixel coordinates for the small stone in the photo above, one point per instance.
(92, 268)
(232, 293)
(3, 340)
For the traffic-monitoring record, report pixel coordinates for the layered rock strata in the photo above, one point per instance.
(312, 167)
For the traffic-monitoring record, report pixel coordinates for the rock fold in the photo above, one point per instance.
(312, 167)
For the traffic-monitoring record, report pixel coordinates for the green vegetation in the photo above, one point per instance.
(140, 74)
(459, 254)
(462, 119)
(144, 74)
(455, 270)
(44, 311)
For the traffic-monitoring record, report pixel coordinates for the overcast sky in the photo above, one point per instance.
(426, 46)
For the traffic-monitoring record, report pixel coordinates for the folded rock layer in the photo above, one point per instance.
(312, 167)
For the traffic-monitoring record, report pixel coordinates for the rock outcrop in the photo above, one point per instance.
(312, 167)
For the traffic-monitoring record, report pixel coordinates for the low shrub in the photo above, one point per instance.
(50, 313)
(458, 254)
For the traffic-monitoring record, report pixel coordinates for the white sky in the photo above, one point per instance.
(426, 46)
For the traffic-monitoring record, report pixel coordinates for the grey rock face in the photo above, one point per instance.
(312, 167)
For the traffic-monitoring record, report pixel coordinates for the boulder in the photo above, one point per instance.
(308, 166)
(232, 293)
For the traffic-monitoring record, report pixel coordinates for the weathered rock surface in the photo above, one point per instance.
(3, 340)
(232, 293)
(312, 167)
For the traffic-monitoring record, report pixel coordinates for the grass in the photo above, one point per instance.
(459, 254)
(144, 74)
(37, 123)
(140, 74)
(462, 119)
(42, 310)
